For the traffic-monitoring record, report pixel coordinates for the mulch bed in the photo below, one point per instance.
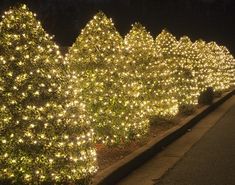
(109, 155)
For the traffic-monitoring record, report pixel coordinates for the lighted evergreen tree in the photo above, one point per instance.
(179, 59)
(98, 65)
(165, 44)
(212, 66)
(150, 72)
(220, 67)
(186, 76)
(202, 65)
(44, 134)
(230, 61)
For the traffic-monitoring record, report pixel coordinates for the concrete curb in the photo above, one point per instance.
(123, 167)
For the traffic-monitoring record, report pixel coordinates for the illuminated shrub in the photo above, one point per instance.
(202, 66)
(167, 47)
(48, 106)
(44, 135)
(150, 72)
(230, 62)
(215, 66)
(185, 72)
(220, 67)
(165, 42)
(179, 56)
(100, 70)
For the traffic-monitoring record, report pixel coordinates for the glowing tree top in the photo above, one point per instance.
(165, 41)
(139, 40)
(44, 134)
(149, 71)
(99, 43)
(185, 48)
(99, 69)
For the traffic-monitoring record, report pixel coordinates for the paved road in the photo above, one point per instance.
(211, 161)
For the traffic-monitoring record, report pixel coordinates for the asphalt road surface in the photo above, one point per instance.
(211, 161)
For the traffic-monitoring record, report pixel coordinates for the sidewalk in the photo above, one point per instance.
(210, 160)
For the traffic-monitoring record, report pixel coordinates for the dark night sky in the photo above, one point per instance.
(206, 19)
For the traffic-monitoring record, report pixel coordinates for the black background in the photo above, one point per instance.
(210, 20)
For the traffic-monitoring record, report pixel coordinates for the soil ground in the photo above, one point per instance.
(109, 155)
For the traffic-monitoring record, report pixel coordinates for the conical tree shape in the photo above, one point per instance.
(96, 59)
(173, 53)
(220, 67)
(210, 67)
(44, 135)
(203, 67)
(230, 61)
(165, 41)
(149, 71)
(185, 66)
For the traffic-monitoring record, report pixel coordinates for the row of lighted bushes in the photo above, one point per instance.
(54, 109)
(125, 81)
